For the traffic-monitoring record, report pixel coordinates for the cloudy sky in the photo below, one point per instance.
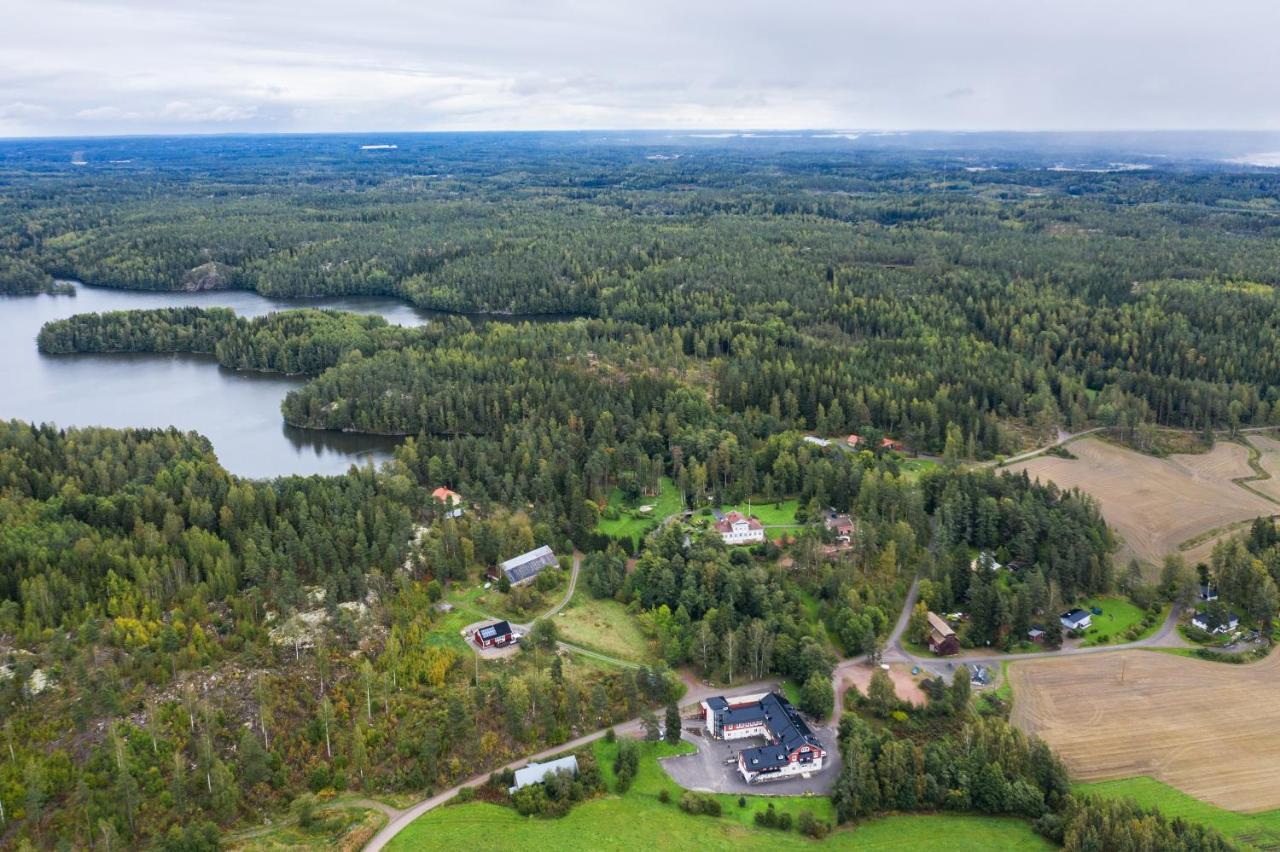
(148, 66)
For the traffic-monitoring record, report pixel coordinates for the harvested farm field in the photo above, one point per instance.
(1155, 504)
(1269, 460)
(1207, 729)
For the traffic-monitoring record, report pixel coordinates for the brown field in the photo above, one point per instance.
(907, 687)
(1157, 504)
(1268, 460)
(1206, 728)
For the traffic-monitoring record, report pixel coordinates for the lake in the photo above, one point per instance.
(238, 412)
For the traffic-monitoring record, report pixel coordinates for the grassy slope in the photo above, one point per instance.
(666, 503)
(637, 820)
(602, 626)
(770, 514)
(1259, 830)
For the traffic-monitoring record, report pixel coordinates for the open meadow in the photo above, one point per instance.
(1156, 505)
(639, 820)
(1205, 728)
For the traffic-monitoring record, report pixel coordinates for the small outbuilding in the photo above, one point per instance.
(536, 773)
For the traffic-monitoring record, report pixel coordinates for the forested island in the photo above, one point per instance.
(845, 345)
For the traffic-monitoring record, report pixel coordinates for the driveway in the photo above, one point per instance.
(707, 770)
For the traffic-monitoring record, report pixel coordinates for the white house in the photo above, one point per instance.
(1076, 619)
(735, 528)
(817, 442)
(790, 747)
(1215, 623)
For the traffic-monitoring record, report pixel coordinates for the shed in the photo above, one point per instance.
(536, 773)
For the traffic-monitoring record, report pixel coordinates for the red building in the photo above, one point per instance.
(494, 635)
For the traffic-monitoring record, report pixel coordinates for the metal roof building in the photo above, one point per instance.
(523, 568)
(536, 773)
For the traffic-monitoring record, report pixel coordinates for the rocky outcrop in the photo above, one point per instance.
(207, 276)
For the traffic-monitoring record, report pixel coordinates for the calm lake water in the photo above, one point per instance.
(238, 412)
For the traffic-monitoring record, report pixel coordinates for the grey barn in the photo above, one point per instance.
(523, 568)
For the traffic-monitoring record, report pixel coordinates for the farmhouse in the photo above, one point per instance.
(536, 773)
(841, 525)
(451, 500)
(495, 635)
(790, 747)
(1076, 619)
(735, 528)
(526, 566)
(942, 639)
(1211, 622)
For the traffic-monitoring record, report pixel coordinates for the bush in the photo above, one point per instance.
(697, 803)
(664, 796)
(304, 808)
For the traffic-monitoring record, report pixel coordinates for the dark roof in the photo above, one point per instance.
(493, 631)
(1074, 614)
(717, 703)
(526, 565)
(786, 728)
(1213, 622)
(764, 758)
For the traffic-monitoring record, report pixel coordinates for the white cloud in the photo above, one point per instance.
(304, 65)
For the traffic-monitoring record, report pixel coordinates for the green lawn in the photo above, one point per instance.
(1118, 615)
(913, 469)
(633, 524)
(770, 514)
(637, 820)
(604, 626)
(1260, 831)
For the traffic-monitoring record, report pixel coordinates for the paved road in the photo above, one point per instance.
(403, 818)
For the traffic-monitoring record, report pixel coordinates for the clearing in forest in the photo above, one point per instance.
(1207, 729)
(1155, 504)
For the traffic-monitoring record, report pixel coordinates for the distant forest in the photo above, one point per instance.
(838, 292)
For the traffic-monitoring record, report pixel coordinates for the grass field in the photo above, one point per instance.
(1157, 504)
(770, 514)
(1205, 728)
(604, 626)
(638, 820)
(631, 524)
(1261, 830)
(1118, 615)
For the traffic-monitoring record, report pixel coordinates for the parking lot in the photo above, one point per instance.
(709, 769)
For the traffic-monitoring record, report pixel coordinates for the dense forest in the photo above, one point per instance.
(184, 653)
(841, 292)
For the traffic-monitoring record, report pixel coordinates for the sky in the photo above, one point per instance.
(173, 66)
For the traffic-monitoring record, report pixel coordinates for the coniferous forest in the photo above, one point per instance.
(184, 652)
